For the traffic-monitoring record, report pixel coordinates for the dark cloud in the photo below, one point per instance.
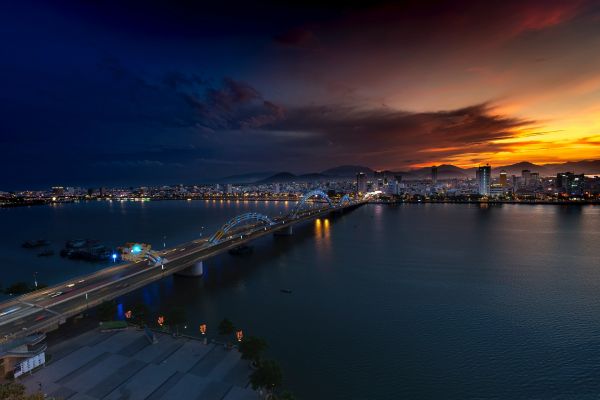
(383, 137)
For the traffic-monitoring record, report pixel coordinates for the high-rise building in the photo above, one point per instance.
(361, 182)
(562, 181)
(569, 183)
(526, 177)
(434, 174)
(503, 179)
(484, 177)
(380, 179)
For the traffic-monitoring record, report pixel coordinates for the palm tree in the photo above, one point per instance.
(176, 317)
(226, 327)
(106, 310)
(252, 349)
(267, 376)
(140, 313)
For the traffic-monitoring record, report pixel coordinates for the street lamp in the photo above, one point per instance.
(203, 331)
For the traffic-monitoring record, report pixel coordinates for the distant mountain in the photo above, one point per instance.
(245, 178)
(588, 167)
(445, 171)
(517, 169)
(289, 177)
(346, 171)
(312, 177)
(278, 177)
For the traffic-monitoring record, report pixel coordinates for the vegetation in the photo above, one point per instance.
(140, 313)
(252, 348)
(16, 391)
(267, 376)
(226, 327)
(107, 310)
(175, 318)
(19, 288)
(286, 395)
(114, 325)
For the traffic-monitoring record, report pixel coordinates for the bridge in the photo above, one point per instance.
(46, 309)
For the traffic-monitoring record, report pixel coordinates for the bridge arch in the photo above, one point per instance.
(237, 221)
(308, 195)
(344, 200)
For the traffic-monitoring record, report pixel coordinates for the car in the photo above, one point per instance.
(39, 318)
(55, 294)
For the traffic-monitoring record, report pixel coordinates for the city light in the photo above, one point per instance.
(203, 329)
(239, 335)
(114, 257)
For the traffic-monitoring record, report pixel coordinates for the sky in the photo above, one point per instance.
(129, 93)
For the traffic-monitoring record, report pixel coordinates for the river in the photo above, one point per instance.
(410, 301)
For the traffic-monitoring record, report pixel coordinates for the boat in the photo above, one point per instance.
(286, 291)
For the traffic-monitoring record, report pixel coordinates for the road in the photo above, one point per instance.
(46, 308)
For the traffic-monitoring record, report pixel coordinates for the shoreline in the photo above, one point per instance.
(393, 202)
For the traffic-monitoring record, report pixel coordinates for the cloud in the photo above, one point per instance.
(385, 137)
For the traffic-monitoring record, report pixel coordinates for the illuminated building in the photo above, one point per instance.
(484, 177)
(503, 180)
(569, 183)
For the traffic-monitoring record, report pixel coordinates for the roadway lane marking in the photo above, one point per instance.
(19, 315)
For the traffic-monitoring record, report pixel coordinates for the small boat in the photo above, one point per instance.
(46, 253)
(286, 291)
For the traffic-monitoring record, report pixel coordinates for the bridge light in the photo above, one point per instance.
(239, 335)
(203, 329)
(114, 257)
(161, 320)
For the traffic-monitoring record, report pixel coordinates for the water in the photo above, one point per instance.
(413, 301)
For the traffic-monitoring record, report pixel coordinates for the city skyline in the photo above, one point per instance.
(119, 93)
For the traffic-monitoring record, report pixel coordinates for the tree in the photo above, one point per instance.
(252, 348)
(226, 327)
(267, 375)
(140, 313)
(176, 317)
(107, 310)
(286, 395)
(16, 391)
(18, 288)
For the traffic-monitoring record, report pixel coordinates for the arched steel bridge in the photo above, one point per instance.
(47, 308)
(236, 222)
(254, 221)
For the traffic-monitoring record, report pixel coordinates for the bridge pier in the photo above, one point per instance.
(194, 270)
(287, 231)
